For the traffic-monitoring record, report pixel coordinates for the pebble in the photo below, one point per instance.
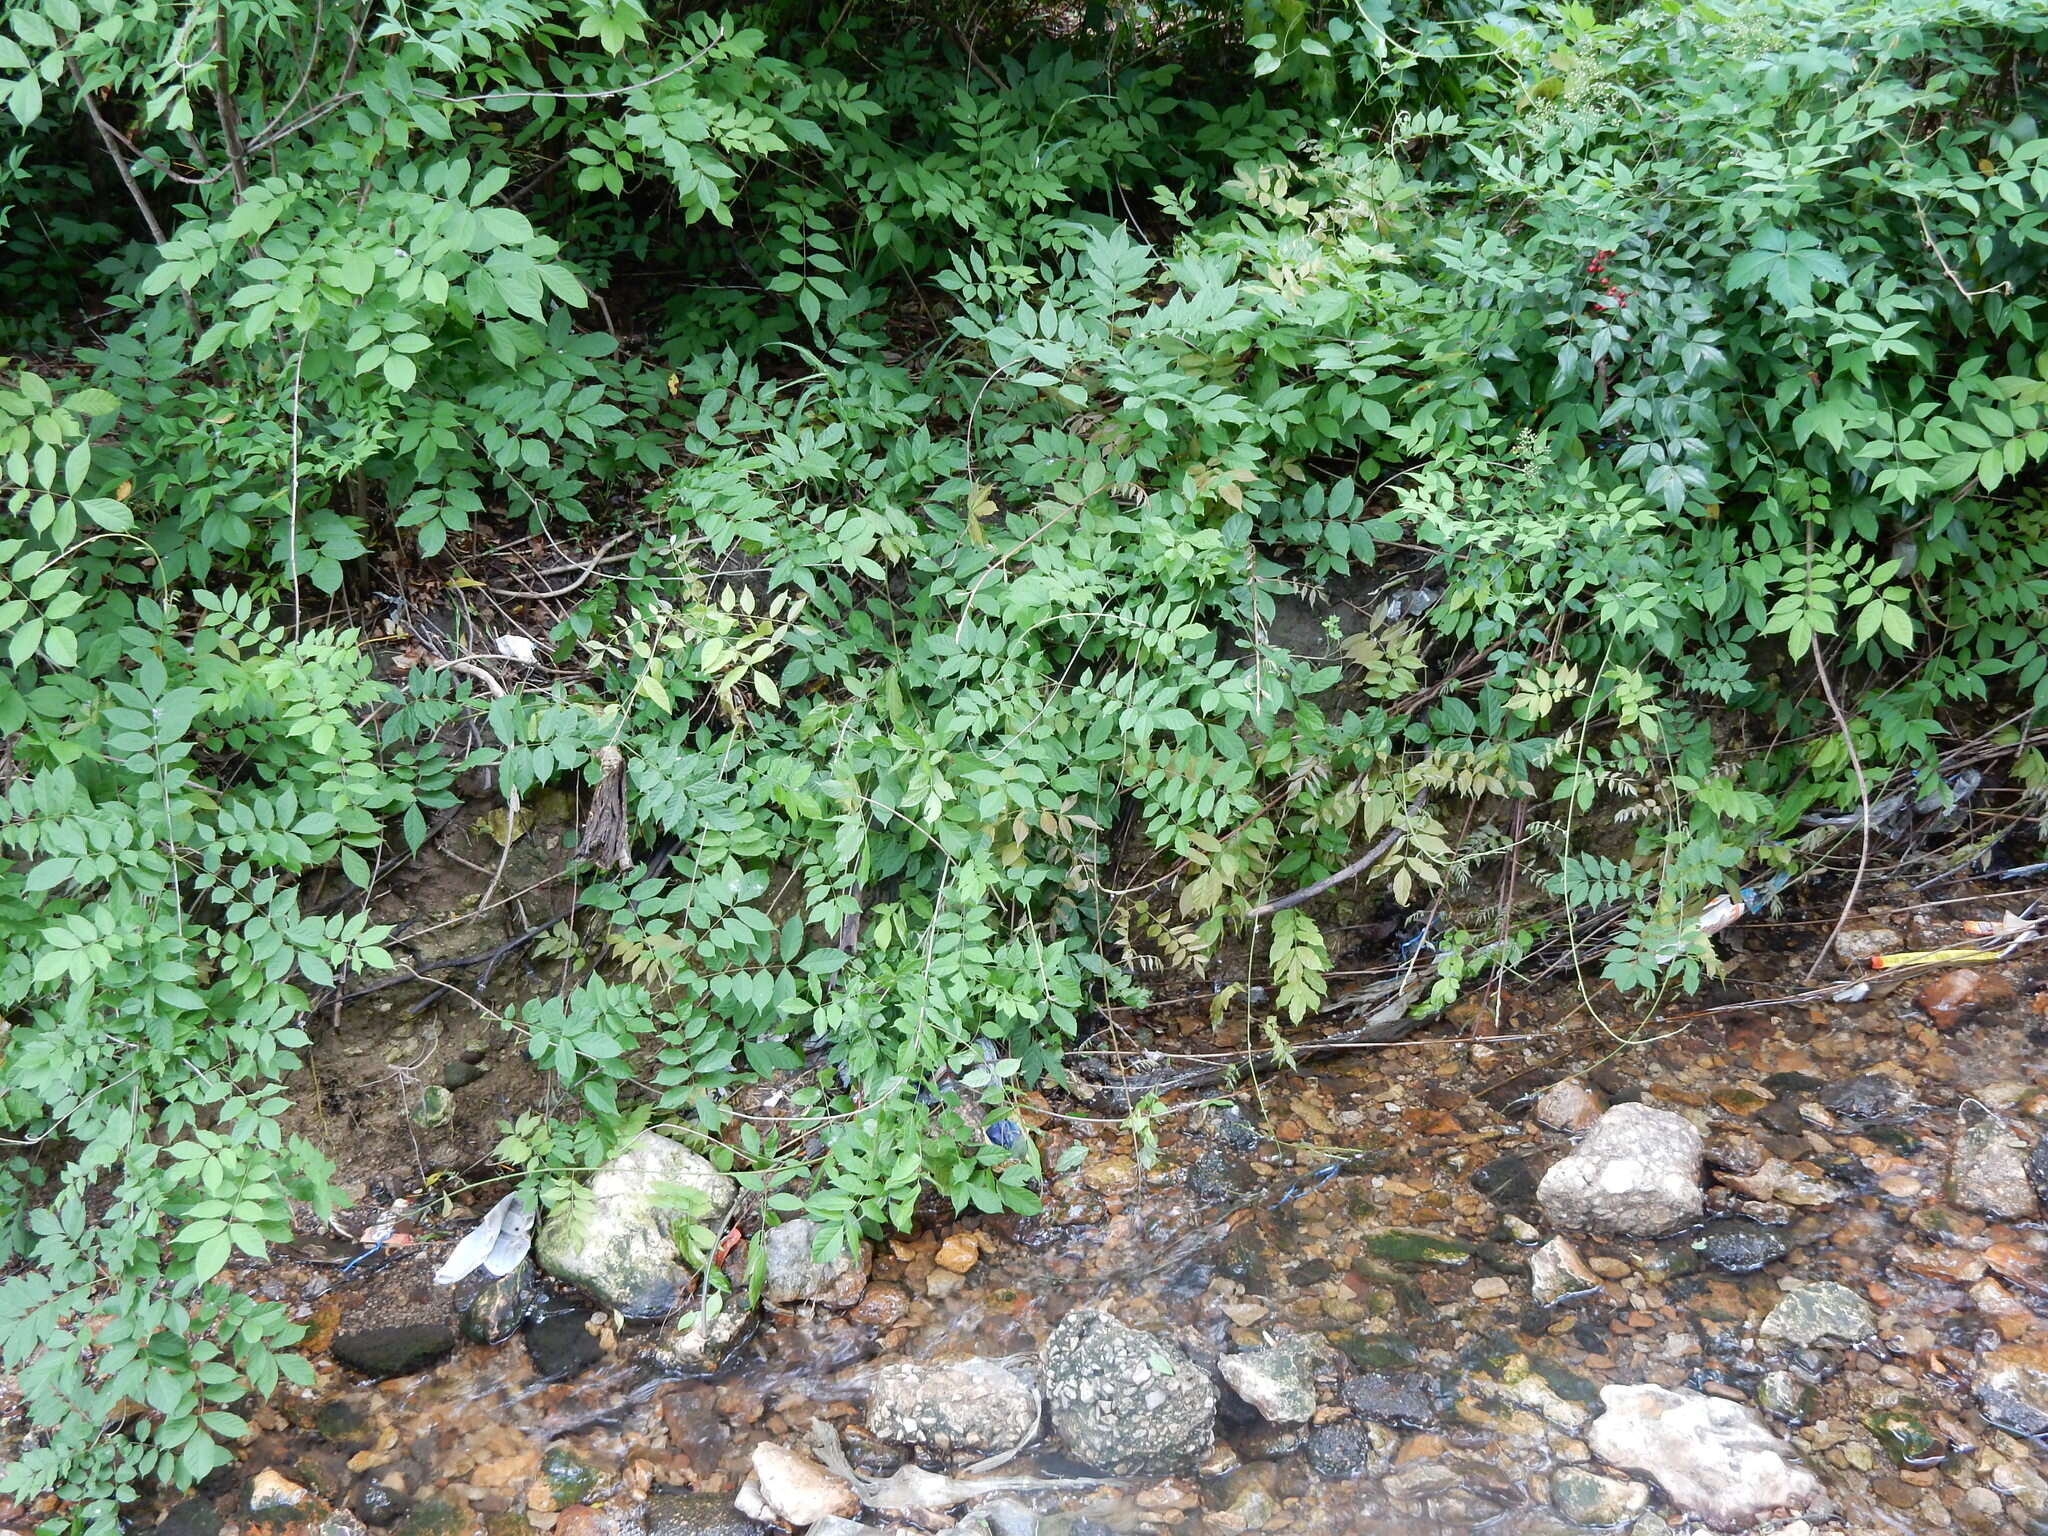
(1988, 1168)
(1568, 1106)
(1586, 1498)
(1401, 1398)
(1556, 1271)
(2011, 1387)
(1963, 993)
(1821, 1313)
(1739, 1247)
(959, 1253)
(1856, 947)
(1492, 1288)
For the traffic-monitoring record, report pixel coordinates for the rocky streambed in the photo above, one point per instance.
(1773, 1269)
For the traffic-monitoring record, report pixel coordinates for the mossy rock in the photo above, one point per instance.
(1402, 1245)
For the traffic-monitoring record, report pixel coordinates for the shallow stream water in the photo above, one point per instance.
(1383, 1202)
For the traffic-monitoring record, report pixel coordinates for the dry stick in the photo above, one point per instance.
(224, 108)
(1827, 688)
(92, 111)
(1356, 867)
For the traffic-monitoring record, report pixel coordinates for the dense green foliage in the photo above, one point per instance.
(988, 407)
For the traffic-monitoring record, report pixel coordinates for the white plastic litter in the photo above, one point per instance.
(497, 1244)
(517, 648)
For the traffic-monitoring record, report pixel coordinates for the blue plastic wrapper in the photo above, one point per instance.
(1004, 1133)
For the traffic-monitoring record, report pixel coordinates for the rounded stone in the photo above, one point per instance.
(1124, 1401)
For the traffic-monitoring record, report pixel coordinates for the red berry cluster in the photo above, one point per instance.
(1616, 297)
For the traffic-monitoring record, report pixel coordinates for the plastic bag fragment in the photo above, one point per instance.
(495, 1244)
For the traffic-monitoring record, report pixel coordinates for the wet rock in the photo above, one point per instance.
(403, 1350)
(1987, 1169)
(1568, 1106)
(1220, 1175)
(2037, 1169)
(1662, 1263)
(1279, 1380)
(617, 1241)
(694, 1345)
(2011, 1386)
(794, 1489)
(345, 1424)
(881, 1306)
(1734, 1151)
(1784, 1396)
(1636, 1173)
(1401, 1398)
(1556, 1270)
(1956, 995)
(963, 1405)
(1906, 1438)
(190, 1517)
(794, 1274)
(569, 1478)
(1125, 1401)
(958, 1253)
(1586, 1498)
(1869, 1098)
(499, 1306)
(1715, 1459)
(1345, 1450)
(436, 1517)
(1516, 1381)
(1823, 1313)
(1408, 1245)
(377, 1503)
(1857, 946)
(1009, 1517)
(561, 1345)
(1779, 1183)
(694, 1514)
(1508, 1180)
(273, 1494)
(1739, 1247)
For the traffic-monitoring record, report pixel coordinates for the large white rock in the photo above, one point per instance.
(1637, 1173)
(959, 1405)
(1716, 1459)
(790, 1487)
(616, 1240)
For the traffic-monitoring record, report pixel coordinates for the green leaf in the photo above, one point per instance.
(356, 272)
(25, 100)
(22, 644)
(110, 514)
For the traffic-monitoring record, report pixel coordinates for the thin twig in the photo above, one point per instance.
(92, 111)
(1827, 688)
(584, 572)
(1356, 867)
